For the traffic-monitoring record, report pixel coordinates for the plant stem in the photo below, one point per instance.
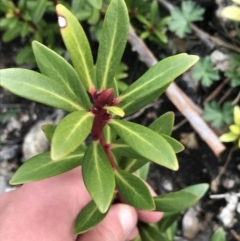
(30, 22)
(101, 99)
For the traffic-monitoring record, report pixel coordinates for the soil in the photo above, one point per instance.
(197, 164)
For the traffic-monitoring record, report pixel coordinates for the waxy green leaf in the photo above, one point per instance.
(112, 43)
(219, 235)
(163, 124)
(161, 74)
(130, 107)
(37, 87)
(115, 110)
(198, 189)
(96, 3)
(77, 45)
(167, 220)
(176, 145)
(88, 218)
(71, 131)
(48, 130)
(146, 142)
(38, 11)
(150, 232)
(57, 68)
(98, 176)
(42, 166)
(143, 171)
(133, 190)
(167, 202)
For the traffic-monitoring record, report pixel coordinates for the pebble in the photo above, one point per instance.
(190, 223)
(221, 60)
(227, 214)
(35, 141)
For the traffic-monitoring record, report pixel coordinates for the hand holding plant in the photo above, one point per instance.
(90, 93)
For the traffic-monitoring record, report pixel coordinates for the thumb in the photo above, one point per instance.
(118, 225)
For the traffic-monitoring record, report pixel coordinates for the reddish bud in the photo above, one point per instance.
(106, 97)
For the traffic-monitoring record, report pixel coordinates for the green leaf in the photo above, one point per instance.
(143, 171)
(234, 129)
(163, 124)
(204, 71)
(158, 76)
(37, 87)
(71, 131)
(182, 18)
(218, 115)
(115, 110)
(112, 43)
(135, 105)
(138, 238)
(236, 114)
(150, 232)
(228, 137)
(167, 202)
(234, 72)
(198, 189)
(39, 10)
(146, 142)
(48, 130)
(88, 218)
(219, 235)
(25, 55)
(133, 190)
(231, 12)
(42, 166)
(12, 33)
(77, 46)
(57, 68)
(176, 145)
(98, 176)
(96, 3)
(167, 220)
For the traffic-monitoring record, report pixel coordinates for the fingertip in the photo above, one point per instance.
(149, 216)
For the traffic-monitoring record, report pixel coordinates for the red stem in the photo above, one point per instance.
(101, 118)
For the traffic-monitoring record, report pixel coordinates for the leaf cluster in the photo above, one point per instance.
(204, 71)
(184, 16)
(218, 115)
(154, 25)
(88, 91)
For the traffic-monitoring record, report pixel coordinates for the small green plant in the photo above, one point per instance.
(90, 93)
(234, 130)
(218, 115)
(154, 26)
(219, 235)
(234, 72)
(204, 71)
(184, 16)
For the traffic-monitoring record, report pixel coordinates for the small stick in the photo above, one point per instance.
(235, 235)
(225, 195)
(179, 98)
(216, 91)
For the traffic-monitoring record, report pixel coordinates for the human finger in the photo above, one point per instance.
(119, 225)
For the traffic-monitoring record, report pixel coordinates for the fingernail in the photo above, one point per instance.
(128, 218)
